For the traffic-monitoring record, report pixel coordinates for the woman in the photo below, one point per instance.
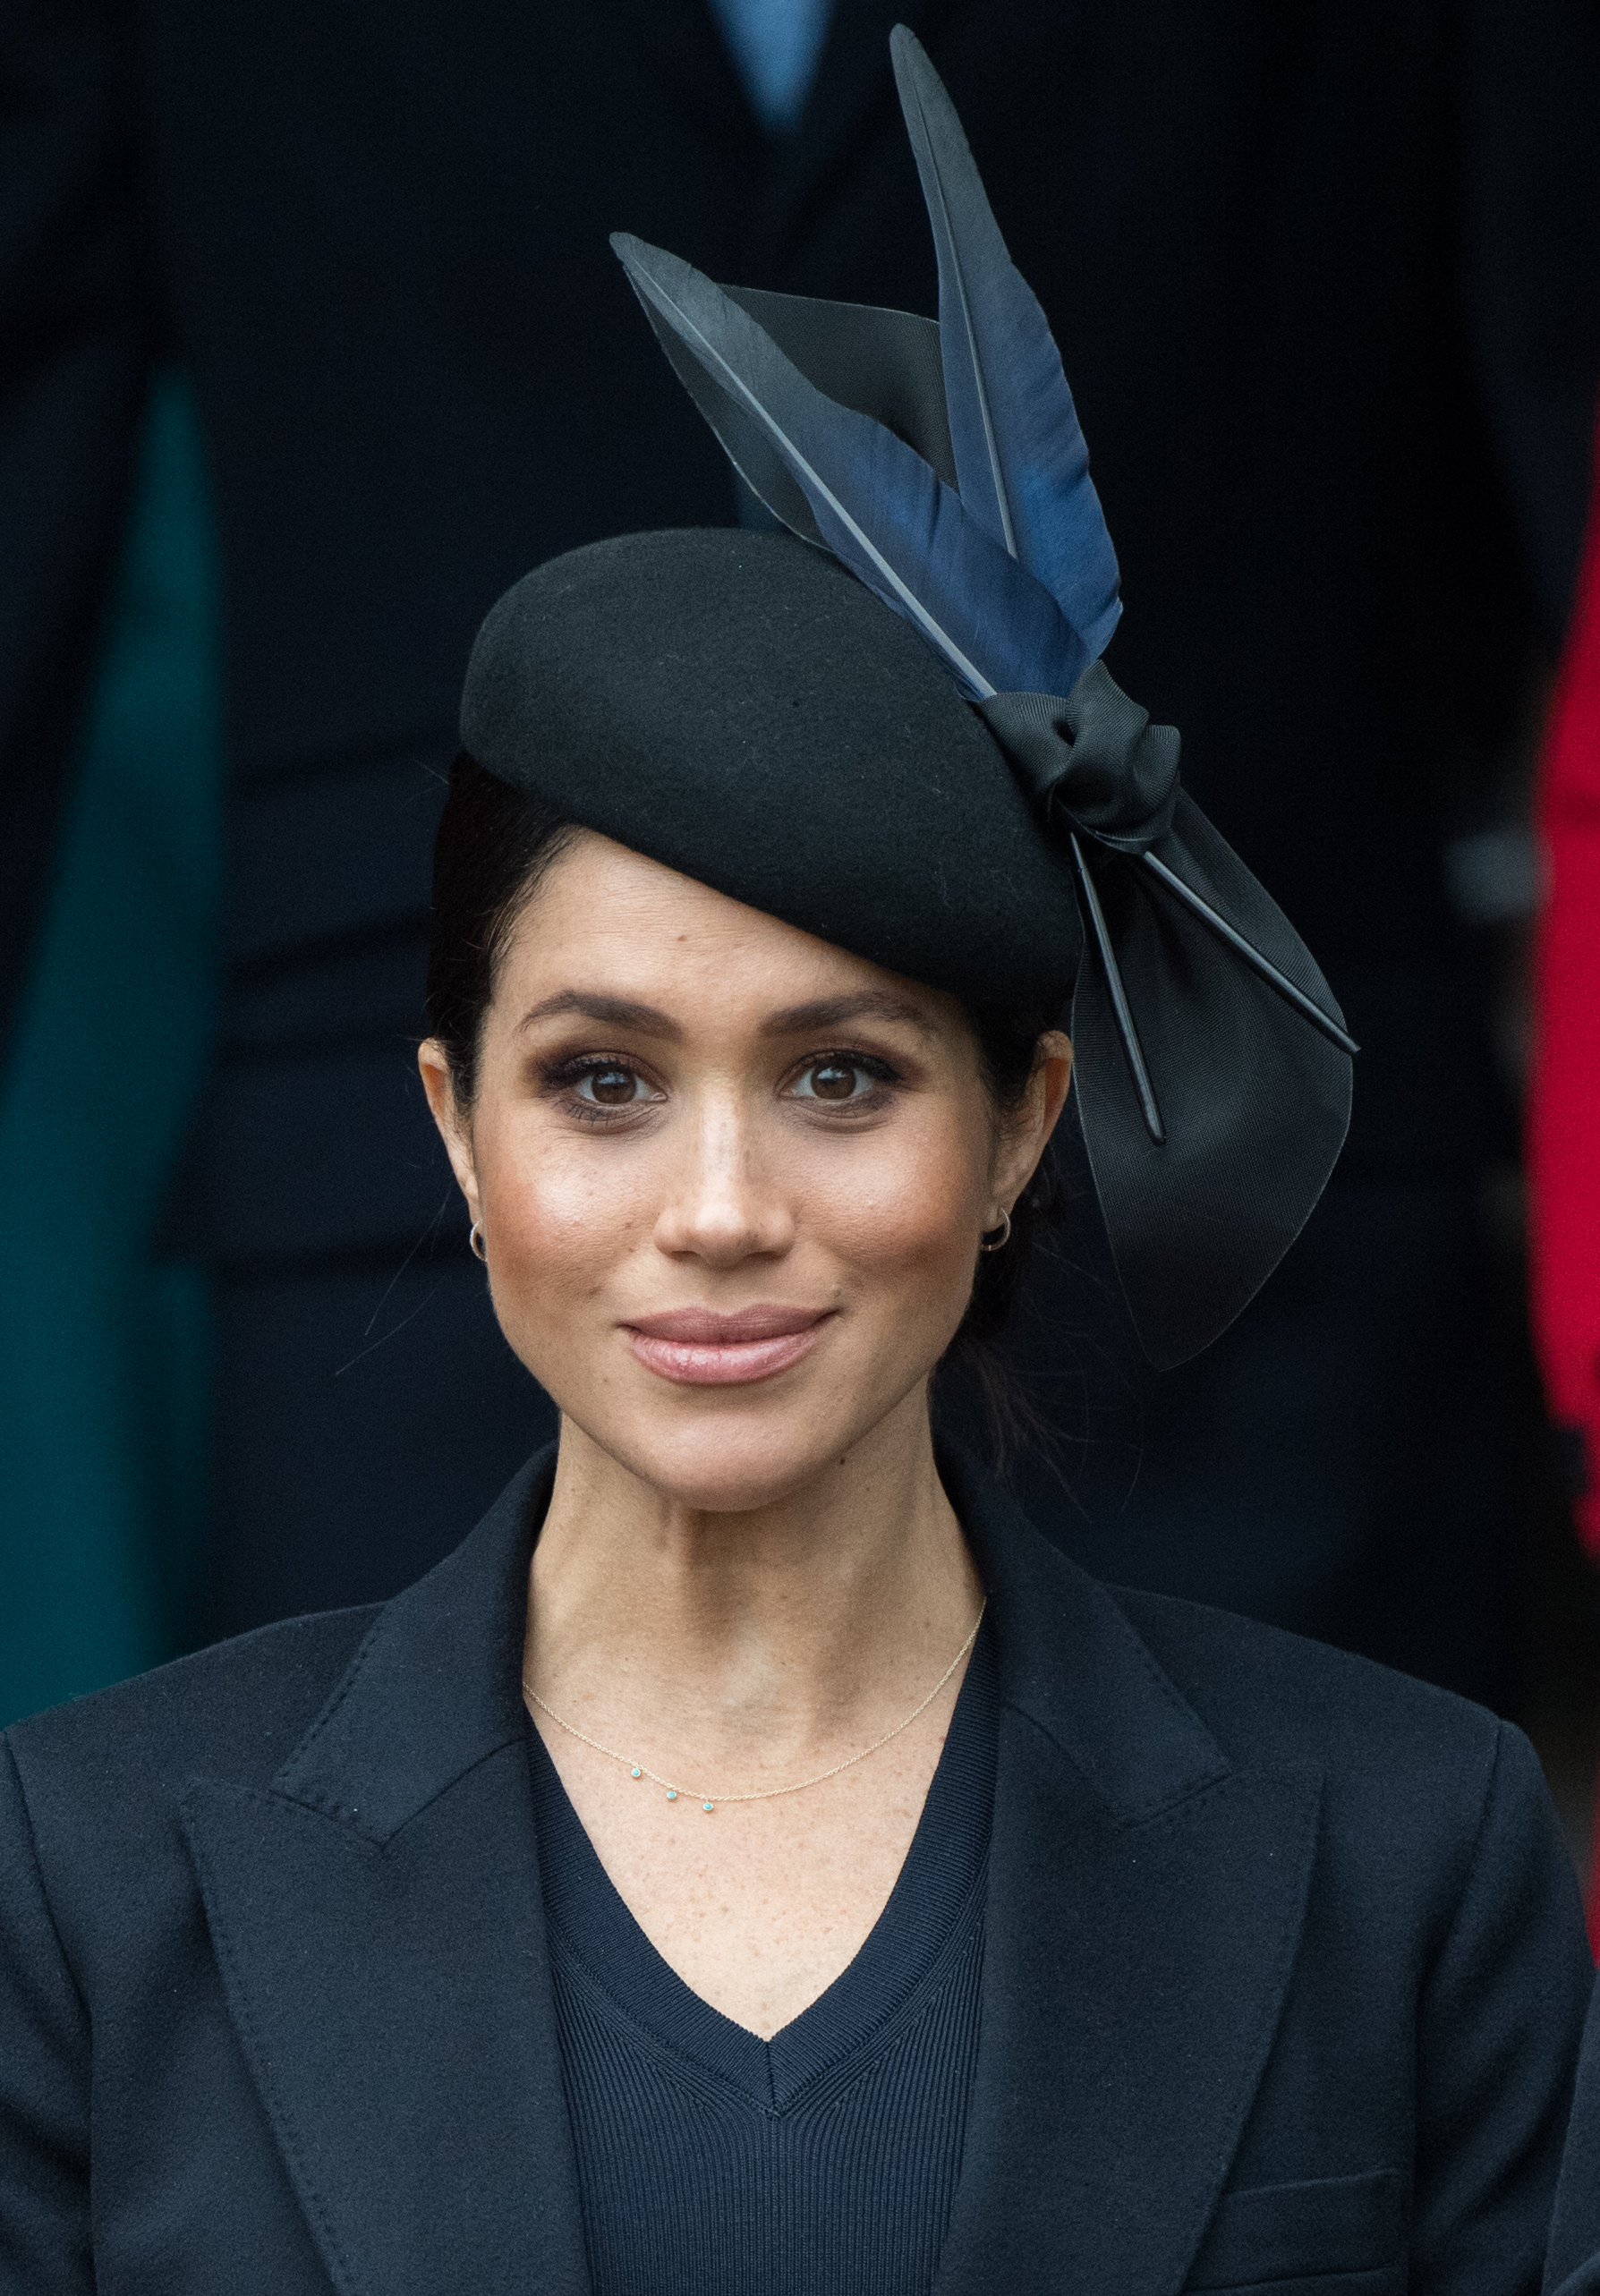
(755, 1860)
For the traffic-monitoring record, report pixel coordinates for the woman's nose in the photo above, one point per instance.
(726, 1204)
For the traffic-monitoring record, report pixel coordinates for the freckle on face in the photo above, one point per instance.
(723, 1189)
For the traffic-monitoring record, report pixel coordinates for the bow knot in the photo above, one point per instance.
(1092, 761)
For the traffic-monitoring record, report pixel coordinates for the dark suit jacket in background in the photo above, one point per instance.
(1283, 1981)
(1326, 284)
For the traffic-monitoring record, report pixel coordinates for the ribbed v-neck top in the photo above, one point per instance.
(823, 2162)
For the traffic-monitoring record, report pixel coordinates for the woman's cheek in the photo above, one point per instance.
(909, 1205)
(557, 1216)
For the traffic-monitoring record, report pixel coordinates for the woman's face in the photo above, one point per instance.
(731, 1180)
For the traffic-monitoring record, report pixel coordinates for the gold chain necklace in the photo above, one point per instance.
(707, 1802)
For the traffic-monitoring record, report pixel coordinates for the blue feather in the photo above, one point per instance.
(1021, 460)
(876, 503)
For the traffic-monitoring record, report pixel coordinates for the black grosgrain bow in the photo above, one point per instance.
(1092, 761)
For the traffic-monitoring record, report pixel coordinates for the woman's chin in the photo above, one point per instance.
(722, 1461)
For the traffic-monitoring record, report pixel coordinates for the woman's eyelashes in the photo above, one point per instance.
(601, 1088)
(842, 1080)
(608, 1088)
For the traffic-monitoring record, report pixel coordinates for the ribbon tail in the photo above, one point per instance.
(1304, 1004)
(1133, 1051)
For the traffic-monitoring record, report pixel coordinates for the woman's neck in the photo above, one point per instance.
(757, 1641)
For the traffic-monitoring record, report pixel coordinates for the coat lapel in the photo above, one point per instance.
(697, 78)
(852, 98)
(375, 1916)
(1145, 1905)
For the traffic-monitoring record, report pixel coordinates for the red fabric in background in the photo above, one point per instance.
(1564, 1119)
(1563, 1139)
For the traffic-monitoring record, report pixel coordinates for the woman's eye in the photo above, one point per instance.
(834, 1079)
(612, 1086)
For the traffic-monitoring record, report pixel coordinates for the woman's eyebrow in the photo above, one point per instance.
(611, 1012)
(836, 1012)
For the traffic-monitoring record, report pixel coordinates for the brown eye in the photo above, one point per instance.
(832, 1079)
(611, 1087)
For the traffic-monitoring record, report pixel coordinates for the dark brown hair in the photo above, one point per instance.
(494, 846)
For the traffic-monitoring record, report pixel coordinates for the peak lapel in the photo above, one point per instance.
(377, 1919)
(1145, 1905)
(854, 84)
(679, 52)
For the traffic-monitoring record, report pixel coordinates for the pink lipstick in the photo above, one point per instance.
(698, 1348)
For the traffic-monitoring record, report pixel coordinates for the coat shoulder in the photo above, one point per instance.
(235, 1709)
(1275, 1697)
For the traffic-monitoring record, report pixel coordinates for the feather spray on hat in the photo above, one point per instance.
(944, 466)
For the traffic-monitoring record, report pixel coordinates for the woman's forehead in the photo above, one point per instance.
(608, 928)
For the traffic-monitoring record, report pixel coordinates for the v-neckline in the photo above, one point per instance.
(926, 1916)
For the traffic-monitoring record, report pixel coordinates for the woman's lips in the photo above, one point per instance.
(698, 1348)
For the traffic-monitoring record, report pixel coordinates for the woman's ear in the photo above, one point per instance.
(440, 1088)
(1028, 1130)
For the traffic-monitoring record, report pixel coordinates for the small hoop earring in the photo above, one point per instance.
(1002, 1236)
(476, 1240)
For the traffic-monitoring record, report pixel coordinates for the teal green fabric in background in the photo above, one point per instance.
(103, 1346)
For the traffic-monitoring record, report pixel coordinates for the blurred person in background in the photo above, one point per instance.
(1329, 287)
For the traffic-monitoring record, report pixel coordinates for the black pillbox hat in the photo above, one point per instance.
(737, 705)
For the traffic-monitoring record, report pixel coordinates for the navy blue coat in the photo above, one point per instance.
(1283, 1985)
(1574, 2269)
